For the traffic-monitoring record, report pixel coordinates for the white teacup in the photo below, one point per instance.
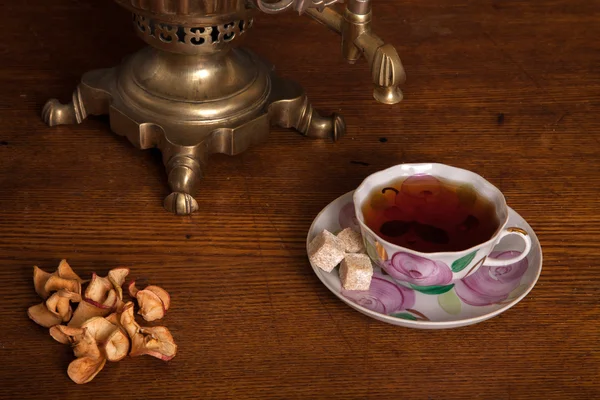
(441, 268)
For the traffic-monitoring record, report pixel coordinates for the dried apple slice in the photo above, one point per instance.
(42, 316)
(83, 370)
(133, 290)
(99, 328)
(98, 289)
(86, 346)
(162, 294)
(117, 346)
(55, 283)
(40, 277)
(59, 335)
(65, 271)
(117, 276)
(156, 341)
(63, 308)
(149, 300)
(61, 279)
(65, 334)
(128, 320)
(89, 358)
(164, 345)
(52, 303)
(87, 310)
(109, 337)
(60, 303)
(151, 307)
(59, 306)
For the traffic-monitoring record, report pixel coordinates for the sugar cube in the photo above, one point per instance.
(356, 272)
(326, 251)
(352, 240)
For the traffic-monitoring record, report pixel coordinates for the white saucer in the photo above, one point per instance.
(463, 305)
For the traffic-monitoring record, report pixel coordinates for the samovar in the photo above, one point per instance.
(190, 93)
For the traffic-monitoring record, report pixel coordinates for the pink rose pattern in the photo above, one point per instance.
(383, 296)
(417, 270)
(490, 285)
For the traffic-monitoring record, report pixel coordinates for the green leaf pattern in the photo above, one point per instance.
(407, 316)
(462, 262)
(432, 289)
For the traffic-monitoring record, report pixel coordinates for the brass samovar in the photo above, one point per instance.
(190, 93)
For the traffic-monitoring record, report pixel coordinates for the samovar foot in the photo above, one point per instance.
(180, 203)
(55, 113)
(91, 97)
(292, 109)
(184, 173)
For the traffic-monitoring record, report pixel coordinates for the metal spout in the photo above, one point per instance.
(354, 25)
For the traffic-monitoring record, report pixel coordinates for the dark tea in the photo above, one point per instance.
(430, 214)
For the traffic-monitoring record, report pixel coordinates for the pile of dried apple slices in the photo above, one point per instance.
(103, 324)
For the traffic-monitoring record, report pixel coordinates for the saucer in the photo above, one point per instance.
(485, 293)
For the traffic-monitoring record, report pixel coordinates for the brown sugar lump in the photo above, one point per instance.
(356, 272)
(352, 241)
(326, 251)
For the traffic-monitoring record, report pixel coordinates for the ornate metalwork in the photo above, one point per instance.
(153, 31)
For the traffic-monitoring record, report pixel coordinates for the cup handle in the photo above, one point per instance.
(522, 233)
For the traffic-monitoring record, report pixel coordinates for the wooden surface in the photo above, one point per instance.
(508, 89)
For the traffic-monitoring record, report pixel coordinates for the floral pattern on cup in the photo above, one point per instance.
(383, 296)
(416, 270)
(491, 285)
(347, 217)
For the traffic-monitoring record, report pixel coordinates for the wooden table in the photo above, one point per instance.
(508, 89)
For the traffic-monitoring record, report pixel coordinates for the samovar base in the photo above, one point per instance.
(191, 106)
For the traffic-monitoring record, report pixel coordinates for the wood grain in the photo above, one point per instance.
(508, 89)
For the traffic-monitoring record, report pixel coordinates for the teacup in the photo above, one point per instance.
(435, 269)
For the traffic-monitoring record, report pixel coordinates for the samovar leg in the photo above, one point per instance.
(184, 173)
(292, 109)
(91, 97)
